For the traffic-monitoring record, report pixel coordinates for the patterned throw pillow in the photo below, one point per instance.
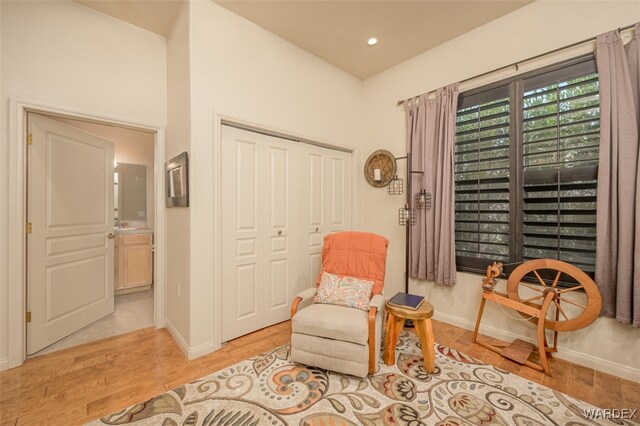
(344, 291)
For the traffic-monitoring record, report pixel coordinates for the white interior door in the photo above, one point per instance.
(70, 208)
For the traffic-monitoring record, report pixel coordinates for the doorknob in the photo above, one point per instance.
(317, 229)
(280, 232)
(111, 235)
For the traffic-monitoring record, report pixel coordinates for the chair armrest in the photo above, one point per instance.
(377, 302)
(303, 299)
(376, 310)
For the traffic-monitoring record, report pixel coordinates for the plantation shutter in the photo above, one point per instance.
(526, 168)
(482, 173)
(561, 135)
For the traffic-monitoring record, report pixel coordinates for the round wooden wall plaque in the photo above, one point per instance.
(380, 168)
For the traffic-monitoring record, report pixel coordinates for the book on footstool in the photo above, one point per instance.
(405, 300)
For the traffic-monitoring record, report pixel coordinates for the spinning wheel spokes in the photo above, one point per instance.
(539, 278)
(560, 310)
(531, 287)
(531, 299)
(573, 303)
(565, 320)
(565, 290)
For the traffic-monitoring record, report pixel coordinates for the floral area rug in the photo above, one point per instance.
(270, 390)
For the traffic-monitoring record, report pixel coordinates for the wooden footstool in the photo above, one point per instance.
(421, 318)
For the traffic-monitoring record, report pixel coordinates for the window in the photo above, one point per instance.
(526, 166)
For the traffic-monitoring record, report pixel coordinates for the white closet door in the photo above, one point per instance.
(313, 214)
(279, 199)
(338, 191)
(283, 230)
(241, 198)
(326, 204)
(259, 231)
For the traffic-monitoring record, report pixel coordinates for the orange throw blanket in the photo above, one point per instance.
(356, 254)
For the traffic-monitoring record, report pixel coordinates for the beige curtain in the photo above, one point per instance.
(617, 233)
(431, 129)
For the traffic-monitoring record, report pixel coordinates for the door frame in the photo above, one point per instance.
(218, 119)
(17, 259)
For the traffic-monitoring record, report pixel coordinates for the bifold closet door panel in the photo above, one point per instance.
(326, 204)
(279, 199)
(338, 191)
(241, 198)
(259, 230)
(283, 228)
(313, 200)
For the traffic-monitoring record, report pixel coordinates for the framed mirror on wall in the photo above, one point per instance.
(130, 193)
(177, 181)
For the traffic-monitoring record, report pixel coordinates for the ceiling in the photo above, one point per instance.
(335, 30)
(153, 15)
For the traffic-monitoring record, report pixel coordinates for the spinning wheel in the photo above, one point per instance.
(584, 315)
(549, 306)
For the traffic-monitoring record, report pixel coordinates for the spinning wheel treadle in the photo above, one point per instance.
(543, 301)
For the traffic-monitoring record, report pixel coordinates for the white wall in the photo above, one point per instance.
(178, 140)
(65, 54)
(534, 29)
(243, 71)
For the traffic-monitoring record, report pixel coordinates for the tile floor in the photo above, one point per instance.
(132, 312)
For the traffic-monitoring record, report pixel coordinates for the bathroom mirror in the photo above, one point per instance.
(130, 193)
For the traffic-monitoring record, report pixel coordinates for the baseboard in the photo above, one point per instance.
(177, 337)
(570, 355)
(121, 291)
(191, 353)
(200, 350)
(4, 364)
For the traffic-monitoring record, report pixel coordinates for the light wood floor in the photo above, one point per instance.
(80, 384)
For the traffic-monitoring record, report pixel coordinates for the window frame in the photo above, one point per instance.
(514, 88)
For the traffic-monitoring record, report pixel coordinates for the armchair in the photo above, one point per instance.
(338, 338)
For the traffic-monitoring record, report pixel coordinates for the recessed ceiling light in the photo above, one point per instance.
(372, 41)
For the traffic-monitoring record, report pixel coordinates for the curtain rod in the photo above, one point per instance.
(516, 64)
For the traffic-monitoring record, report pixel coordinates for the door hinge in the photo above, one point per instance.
(29, 139)
(28, 316)
(29, 228)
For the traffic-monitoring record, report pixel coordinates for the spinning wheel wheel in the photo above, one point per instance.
(579, 315)
(549, 306)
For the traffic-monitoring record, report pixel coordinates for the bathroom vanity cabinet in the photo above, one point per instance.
(134, 262)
